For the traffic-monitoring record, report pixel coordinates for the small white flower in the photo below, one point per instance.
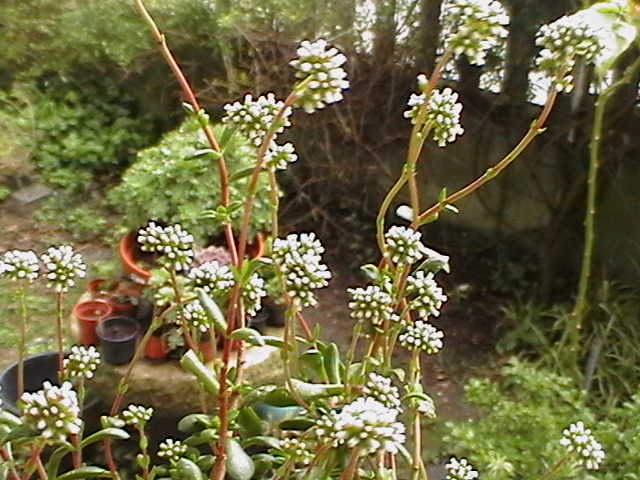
(422, 335)
(298, 257)
(371, 304)
(365, 424)
(212, 277)
(579, 439)
(172, 450)
(82, 362)
(405, 212)
(136, 415)
(19, 265)
(172, 243)
(380, 388)
(254, 117)
(62, 267)
(53, 411)
(322, 66)
(426, 295)
(280, 156)
(460, 470)
(194, 315)
(473, 27)
(253, 293)
(404, 245)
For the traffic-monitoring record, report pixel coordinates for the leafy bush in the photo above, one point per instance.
(176, 181)
(78, 131)
(523, 413)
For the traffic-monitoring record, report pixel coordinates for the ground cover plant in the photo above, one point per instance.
(336, 415)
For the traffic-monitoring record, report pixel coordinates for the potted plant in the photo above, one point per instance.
(176, 181)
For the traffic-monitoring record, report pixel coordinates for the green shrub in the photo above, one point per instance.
(175, 181)
(522, 416)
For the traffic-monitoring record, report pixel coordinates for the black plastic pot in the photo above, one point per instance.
(118, 337)
(38, 369)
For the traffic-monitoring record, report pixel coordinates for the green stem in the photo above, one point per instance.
(492, 172)
(59, 335)
(357, 330)
(555, 468)
(23, 338)
(581, 305)
(275, 202)
(350, 471)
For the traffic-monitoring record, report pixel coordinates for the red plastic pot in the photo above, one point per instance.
(89, 313)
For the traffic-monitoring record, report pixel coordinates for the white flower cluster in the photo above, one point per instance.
(212, 277)
(473, 27)
(82, 362)
(460, 470)
(427, 296)
(136, 415)
(422, 335)
(365, 424)
(254, 117)
(194, 315)
(297, 450)
(19, 265)
(173, 243)
(252, 294)
(172, 450)
(371, 303)
(53, 411)
(299, 259)
(427, 408)
(380, 388)
(442, 113)
(579, 439)
(404, 245)
(280, 156)
(322, 66)
(562, 41)
(63, 266)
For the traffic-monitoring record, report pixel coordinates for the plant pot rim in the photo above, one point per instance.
(127, 250)
(85, 303)
(131, 321)
(11, 405)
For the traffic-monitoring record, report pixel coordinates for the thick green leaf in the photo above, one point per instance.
(262, 441)
(239, 464)
(263, 462)
(314, 391)
(85, 472)
(111, 422)
(195, 422)
(105, 434)
(205, 462)
(191, 363)
(205, 437)
(250, 422)
(187, 470)
(20, 432)
(8, 418)
(245, 172)
(53, 464)
(297, 423)
(249, 335)
(371, 271)
(213, 311)
(275, 415)
(332, 362)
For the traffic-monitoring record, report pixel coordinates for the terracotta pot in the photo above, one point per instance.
(156, 348)
(89, 314)
(206, 348)
(128, 250)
